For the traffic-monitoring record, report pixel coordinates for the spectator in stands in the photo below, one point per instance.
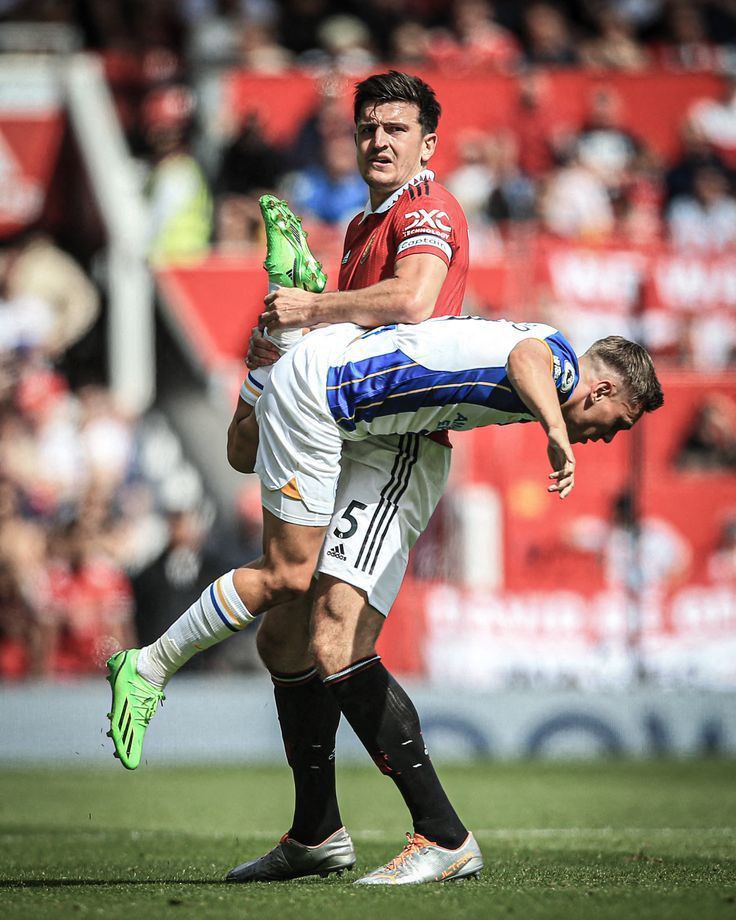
(615, 47)
(259, 50)
(344, 45)
(91, 597)
(26, 630)
(299, 23)
(55, 302)
(178, 575)
(575, 204)
(333, 190)
(696, 153)
(705, 220)
(721, 565)
(513, 195)
(476, 44)
(179, 197)
(24, 645)
(106, 437)
(710, 443)
(637, 553)
(214, 33)
(473, 179)
(716, 119)
(542, 138)
(687, 45)
(409, 45)
(604, 145)
(330, 118)
(548, 39)
(249, 168)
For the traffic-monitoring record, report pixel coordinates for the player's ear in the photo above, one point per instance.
(429, 143)
(602, 389)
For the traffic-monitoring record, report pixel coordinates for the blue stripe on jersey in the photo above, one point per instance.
(365, 381)
(393, 383)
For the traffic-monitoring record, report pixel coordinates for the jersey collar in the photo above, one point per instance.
(391, 201)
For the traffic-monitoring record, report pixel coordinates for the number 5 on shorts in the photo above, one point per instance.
(347, 515)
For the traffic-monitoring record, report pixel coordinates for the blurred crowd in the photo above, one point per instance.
(104, 523)
(593, 180)
(590, 180)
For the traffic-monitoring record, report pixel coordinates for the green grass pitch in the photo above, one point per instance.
(561, 840)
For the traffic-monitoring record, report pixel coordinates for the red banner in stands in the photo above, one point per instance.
(654, 103)
(29, 147)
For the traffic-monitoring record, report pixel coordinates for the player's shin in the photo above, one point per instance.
(308, 717)
(384, 718)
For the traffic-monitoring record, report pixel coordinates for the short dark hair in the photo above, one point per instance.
(395, 86)
(634, 365)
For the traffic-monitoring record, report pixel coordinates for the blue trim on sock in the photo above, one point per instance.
(219, 612)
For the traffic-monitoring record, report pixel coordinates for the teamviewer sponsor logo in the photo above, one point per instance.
(337, 552)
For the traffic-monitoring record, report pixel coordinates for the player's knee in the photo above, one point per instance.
(289, 581)
(267, 644)
(283, 637)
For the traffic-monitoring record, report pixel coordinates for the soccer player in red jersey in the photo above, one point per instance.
(405, 259)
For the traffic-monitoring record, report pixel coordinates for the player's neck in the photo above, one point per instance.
(378, 196)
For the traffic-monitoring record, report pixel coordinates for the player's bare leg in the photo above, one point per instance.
(228, 605)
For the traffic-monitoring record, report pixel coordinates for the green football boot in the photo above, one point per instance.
(134, 703)
(289, 262)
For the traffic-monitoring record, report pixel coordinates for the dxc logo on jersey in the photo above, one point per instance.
(431, 219)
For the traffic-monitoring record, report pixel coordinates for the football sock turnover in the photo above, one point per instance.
(217, 614)
(384, 718)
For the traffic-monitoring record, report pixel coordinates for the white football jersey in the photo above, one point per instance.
(444, 374)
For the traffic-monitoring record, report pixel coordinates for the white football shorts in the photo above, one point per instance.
(299, 443)
(388, 489)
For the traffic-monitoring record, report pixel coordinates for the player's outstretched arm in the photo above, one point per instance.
(530, 375)
(409, 297)
(242, 438)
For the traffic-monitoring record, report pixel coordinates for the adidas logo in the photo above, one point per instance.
(338, 552)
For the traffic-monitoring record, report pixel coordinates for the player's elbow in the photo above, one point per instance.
(415, 306)
(241, 452)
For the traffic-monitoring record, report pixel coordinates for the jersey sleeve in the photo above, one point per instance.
(565, 367)
(427, 221)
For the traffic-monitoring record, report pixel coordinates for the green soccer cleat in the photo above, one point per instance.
(289, 262)
(134, 703)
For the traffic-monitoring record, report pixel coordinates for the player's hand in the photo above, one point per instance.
(562, 461)
(261, 352)
(289, 308)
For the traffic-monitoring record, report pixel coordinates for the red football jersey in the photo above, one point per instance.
(422, 216)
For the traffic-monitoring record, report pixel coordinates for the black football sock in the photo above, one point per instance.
(309, 716)
(384, 718)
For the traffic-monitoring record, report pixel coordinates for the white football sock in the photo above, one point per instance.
(283, 339)
(217, 614)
